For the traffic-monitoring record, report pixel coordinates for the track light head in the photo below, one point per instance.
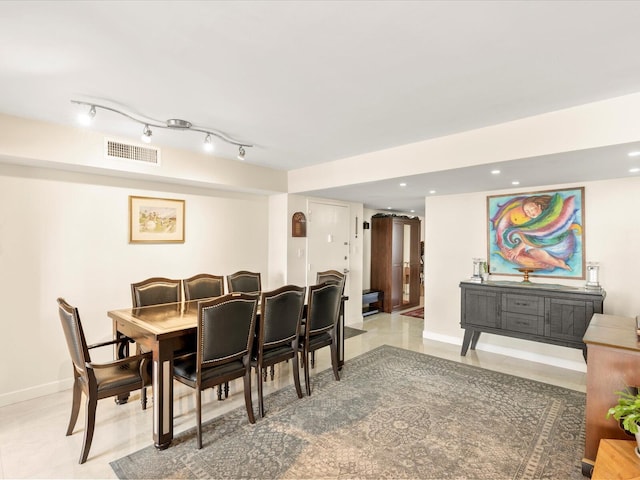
(208, 143)
(146, 134)
(85, 118)
(241, 153)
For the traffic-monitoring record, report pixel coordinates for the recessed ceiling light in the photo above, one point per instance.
(432, 192)
(495, 172)
(515, 182)
(635, 153)
(388, 208)
(634, 170)
(403, 184)
(412, 211)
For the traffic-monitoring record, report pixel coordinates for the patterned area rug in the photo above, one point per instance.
(395, 414)
(417, 313)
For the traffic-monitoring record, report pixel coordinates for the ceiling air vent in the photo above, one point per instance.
(118, 150)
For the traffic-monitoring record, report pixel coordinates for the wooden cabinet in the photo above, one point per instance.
(395, 260)
(545, 313)
(613, 363)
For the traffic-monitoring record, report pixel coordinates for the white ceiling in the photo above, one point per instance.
(309, 82)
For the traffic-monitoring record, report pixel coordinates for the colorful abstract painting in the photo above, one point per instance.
(542, 231)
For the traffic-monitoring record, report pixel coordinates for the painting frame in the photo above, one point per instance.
(543, 231)
(156, 220)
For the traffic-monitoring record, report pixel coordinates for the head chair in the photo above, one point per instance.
(97, 380)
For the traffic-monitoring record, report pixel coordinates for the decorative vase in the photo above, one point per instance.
(637, 450)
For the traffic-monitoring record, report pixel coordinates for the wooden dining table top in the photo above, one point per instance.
(161, 319)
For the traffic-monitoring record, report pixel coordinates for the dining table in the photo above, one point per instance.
(168, 330)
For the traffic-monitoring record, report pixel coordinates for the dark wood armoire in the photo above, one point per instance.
(395, 260)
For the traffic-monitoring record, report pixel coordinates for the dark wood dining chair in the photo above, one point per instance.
(328, 276)
(244, 282)
(155, 291)
(277, 334)
(203, 285)
(97, 380)
(320, 327)
(226, 330)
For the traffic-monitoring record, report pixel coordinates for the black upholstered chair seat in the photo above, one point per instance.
(318, 341)
(279, 353)
(185, 368)
(118, 376)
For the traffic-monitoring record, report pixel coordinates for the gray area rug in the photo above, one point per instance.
(394, 414)
(352, 332)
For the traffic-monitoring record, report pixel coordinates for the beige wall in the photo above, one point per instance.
(455, 232)
(66, 235)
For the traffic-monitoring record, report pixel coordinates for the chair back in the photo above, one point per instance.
(154, 291)
(74, 335)
(330, 276)
(226, 328)
(244, 282)
(280, 316)
(203, 286)
(323, 308)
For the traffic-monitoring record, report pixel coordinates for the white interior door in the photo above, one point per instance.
(328, 239)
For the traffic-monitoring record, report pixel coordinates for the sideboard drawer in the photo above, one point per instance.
(518, 322)
(523, 304)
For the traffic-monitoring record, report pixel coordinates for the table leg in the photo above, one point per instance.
(162, 396)
(119, 354)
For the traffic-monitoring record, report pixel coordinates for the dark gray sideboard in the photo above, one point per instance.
(547, 313)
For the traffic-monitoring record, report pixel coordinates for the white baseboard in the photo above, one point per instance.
(35, 392)
(511, 352)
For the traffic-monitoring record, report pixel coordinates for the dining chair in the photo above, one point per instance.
(331, 276)
(244, 282)
(328, 276)
(277, 334)
(226, 330)
(154, 291)
(320, 327)
(97, 380)
(203, 285)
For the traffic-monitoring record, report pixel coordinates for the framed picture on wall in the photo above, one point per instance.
(156, 220)
(542, 232)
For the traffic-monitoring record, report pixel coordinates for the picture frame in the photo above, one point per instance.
(538, 233)
(156, 220)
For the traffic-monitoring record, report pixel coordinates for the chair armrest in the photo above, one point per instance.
(122, 361)
(110, 342)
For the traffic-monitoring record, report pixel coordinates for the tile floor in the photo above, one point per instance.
(32, 433)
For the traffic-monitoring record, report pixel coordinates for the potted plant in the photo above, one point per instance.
(627, 412)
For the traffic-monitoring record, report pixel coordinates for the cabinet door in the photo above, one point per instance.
(567, 319)
(481, 308)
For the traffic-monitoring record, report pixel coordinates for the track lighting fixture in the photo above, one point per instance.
(146, 134)
(171, 124)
